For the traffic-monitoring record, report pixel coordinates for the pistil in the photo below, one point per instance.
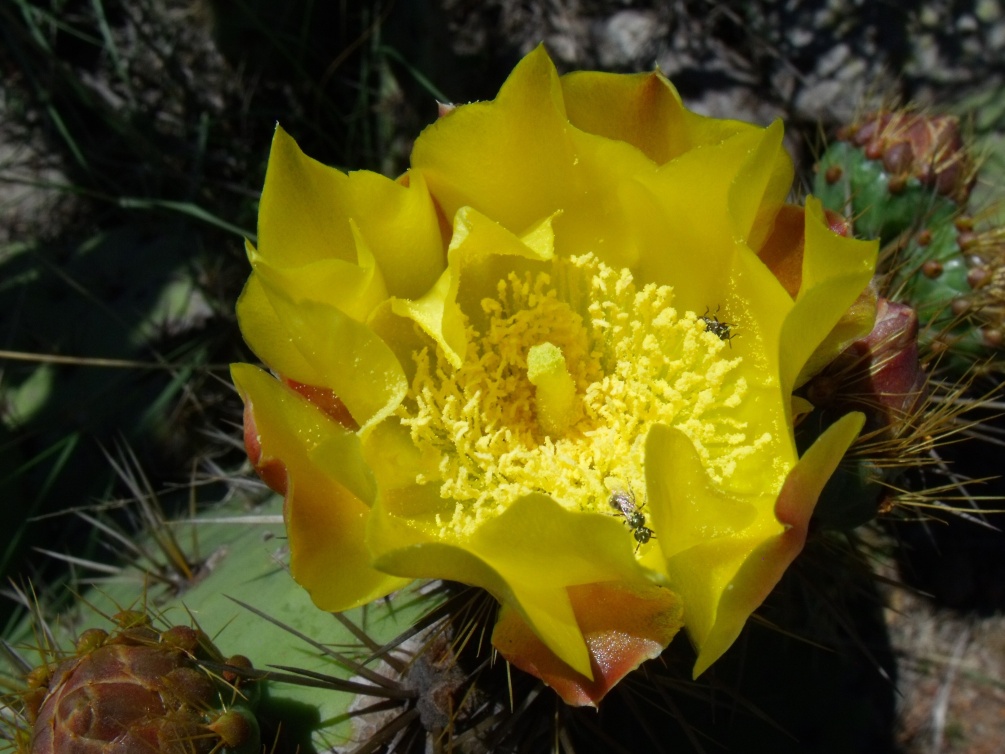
(555, 397)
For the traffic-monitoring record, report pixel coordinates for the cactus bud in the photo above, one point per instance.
(885, 170)
(136, 690)
(926, 147)
(881, 376)
(90, 640)
(238, 730)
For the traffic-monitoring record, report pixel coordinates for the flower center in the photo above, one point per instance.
(558, 393)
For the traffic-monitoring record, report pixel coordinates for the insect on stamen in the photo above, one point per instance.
(717, 328)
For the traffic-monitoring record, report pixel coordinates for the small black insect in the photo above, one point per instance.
(717, 328)
(624, 503)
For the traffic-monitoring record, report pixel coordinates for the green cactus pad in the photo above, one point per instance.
(859, 188)
(246, 562)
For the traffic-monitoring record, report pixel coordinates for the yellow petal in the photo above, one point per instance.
(513, 556)
(401, 226)
(476, 241)
(545, 607)
(301, 216)
(760, 187)
(726, 563)
(698, 221)
(269, 338)
(356, 288)
(596, 201)
(782, 250)
(763, 568)
(643, 110)
(537, 164)
(397, 463)
(510, 159)
(305, 215)
(327, 488)
(343, 355)
(700, 225)
(836, 271)
(688, 511)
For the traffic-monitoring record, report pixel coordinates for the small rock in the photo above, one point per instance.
(988, 11)
(930, 17)
(627, 37)
(996, 37)
(563, 47)
(966, 24)
(800, 37)
(832, 60)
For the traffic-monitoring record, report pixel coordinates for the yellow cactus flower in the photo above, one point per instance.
(555, 360)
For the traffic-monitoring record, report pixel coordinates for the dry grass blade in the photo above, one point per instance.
(129, 470)
(92, 565)
(90, 361)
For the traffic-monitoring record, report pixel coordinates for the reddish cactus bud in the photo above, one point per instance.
(123, 695)
(838, 223)
(879, 374)
(184, 638)
(90, 640)
(864, 132)
(190, 687)
(237, 661)
(926, 147)
(236, 728)
(899, 158)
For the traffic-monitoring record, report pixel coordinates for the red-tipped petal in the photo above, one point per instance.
(272, 472)
(623, 626)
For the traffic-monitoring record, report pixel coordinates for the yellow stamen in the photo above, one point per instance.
(559, 391)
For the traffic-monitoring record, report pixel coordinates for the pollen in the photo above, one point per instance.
(556, 394)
